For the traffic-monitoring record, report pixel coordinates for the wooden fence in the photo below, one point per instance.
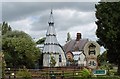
(47, 73)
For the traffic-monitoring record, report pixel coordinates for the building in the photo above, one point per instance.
(76, 46)
(40, 46)
(82, 51)
(53, 54)
(78, 52)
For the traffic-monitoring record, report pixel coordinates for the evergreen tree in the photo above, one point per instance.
(108, 31)
(102, 58)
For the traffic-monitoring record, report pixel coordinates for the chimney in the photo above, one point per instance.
(78, 36)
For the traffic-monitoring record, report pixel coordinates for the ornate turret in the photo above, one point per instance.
(51, 44)
(52, 47)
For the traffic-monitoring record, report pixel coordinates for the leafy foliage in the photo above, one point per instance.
(19, 49)
(2, 65)
(85, 73)
(102, 58)
(68, 37)
(97, 77)
(24, 74)
(108, 17)
(5, 28)
(52, 61)
(41, 41)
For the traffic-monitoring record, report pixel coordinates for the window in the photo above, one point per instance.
(92, 49)
(60, 58)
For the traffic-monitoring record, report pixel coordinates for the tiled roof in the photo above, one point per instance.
(74, 45)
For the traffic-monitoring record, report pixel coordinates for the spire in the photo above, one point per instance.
(51, 19)
(52, 46)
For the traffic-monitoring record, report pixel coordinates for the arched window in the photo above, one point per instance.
(60, 58)
(92, 49)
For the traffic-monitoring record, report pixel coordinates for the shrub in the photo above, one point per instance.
(85, 73)
(97, 78)
(24, 74)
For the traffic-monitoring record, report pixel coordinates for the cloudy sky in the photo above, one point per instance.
(32, 17)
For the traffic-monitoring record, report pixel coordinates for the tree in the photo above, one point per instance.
(102, 58)
(41, 41)
(19, 49)
(5, 28)
(52, 61)
(68, 37)
(108, 22)
(2, 65)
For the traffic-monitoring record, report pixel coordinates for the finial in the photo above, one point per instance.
(51, 11)
(51, 19)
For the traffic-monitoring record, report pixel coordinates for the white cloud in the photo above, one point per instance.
(13, 11)
(88, 31)
(22, 25)
(69, 17)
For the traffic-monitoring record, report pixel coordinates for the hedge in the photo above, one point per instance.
(97, 78)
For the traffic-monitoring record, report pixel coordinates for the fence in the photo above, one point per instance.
(47, 73)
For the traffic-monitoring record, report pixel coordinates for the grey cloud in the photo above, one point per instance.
(19, 10)
(74, 21)
(63, 22)
(40, 23)
(13, 11)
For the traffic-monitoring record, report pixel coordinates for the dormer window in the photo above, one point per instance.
(92, 49)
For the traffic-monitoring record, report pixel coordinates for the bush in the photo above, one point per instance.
(85, 73)
(24, 74)
(97, 78)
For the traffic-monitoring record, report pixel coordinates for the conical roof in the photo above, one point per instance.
(51, 44)
(51, 31)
